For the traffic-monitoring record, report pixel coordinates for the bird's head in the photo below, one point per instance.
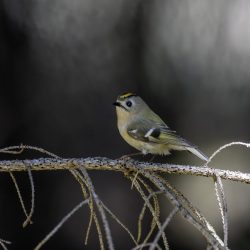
(129, 104)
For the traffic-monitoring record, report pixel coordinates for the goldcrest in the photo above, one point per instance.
(144, 130)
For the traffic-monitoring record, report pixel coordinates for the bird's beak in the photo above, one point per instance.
(117, 104)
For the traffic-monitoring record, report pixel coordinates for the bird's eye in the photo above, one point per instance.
(129, 103)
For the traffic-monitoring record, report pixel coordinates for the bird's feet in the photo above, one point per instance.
(125, 158)
(128, 156)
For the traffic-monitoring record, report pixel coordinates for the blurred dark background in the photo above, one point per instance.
(62, 65)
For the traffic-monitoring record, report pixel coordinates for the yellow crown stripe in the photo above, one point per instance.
(126, 95)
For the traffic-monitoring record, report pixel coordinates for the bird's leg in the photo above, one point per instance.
(128, 156)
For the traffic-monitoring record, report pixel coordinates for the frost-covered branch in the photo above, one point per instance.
(102, 163)
(145, 178)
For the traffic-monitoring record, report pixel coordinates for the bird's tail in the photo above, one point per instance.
(198, 153)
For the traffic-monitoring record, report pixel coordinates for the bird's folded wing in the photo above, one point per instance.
(150, 131)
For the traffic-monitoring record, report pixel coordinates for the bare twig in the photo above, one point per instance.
(3, 242)
(165, 224)
(20, 198)
(141, 216)
(19, 149)
(141, 246)
(28, 219)
(60, 224)
(139, 189)
(84, 187)
(119, 222)
(100, 208)
(224, 147)
(186, 209)
(220, 194)
(12, 150)
(156, 208)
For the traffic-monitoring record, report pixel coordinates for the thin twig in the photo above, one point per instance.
(100, 208)
(156, 209)
(20, 198)
(224, 147)
(141, 216)
(220, 195)
(138, 187)
(60, 224)
(83, 183)
(10, 150)
(19, 149)
(165, 224)
(28, 219)
(3, 245)
(3, 242)
(184, 208)
(146, 245)
(119, 222)
(136, 174)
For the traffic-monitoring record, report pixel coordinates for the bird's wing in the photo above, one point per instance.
(174, 140)
(150, 131)
(160, 133)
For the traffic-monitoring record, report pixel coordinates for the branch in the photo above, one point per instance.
(145, 177)
(102, 163)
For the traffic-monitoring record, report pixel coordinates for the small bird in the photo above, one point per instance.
(144, 130)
